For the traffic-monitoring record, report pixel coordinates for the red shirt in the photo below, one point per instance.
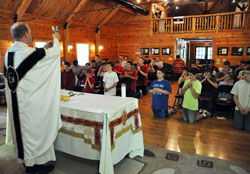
(178, 66)
(132, 84)
(119, 68)
(88, 89)
(142, 80)
(67, 80)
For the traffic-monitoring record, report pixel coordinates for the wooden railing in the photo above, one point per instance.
(202, 23)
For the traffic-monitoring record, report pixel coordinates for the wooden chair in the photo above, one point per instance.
(168, 68)
(224, 102)
(178, 96)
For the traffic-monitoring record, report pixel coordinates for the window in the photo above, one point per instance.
(40, 44)
(203, 52)
(210, 53)
(82, 53)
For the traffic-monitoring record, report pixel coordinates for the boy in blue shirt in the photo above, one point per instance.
(160, 90)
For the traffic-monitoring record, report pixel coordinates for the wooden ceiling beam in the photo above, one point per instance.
(202, 10)
(215, 4)
(21, 10)
(109, 16)
(127, 10)
(77, 9)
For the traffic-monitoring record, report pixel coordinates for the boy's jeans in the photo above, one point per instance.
(160, 113)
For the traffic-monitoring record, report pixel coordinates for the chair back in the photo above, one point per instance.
(167, 67)
(224, 89)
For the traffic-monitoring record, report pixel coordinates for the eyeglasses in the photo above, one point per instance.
(189, 74)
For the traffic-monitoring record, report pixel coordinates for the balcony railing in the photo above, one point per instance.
(203, 23)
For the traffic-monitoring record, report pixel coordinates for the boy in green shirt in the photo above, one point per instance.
(191, 90)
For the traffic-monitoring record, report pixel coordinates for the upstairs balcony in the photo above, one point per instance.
(222, 22)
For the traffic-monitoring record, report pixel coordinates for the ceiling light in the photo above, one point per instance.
(177, 7)
(138, 1)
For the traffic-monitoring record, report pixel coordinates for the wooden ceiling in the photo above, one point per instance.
(93, 16)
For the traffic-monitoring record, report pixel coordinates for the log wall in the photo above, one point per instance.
(133, 37)
(131, 41)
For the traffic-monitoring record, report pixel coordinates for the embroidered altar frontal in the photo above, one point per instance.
(100, 127)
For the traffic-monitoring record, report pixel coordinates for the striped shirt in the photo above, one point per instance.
(178, 66)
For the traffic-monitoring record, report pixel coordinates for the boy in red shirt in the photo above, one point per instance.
(142, 82)
(67, 77)
(178, 66)
(129, 76)
(89, 82)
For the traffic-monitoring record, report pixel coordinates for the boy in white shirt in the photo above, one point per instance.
(110, 80)
(241, 92)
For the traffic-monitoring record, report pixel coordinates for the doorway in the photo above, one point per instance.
(195, 48)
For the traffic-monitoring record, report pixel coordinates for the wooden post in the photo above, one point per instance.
(97, 41)
(22, 9)
(66, 43)
(117, 40)
(172, 26)
(194, 24)
(151, 22)
(217, 24)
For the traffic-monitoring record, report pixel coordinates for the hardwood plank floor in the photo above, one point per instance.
(209, 137)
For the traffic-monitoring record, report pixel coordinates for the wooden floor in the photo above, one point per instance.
(209, 137)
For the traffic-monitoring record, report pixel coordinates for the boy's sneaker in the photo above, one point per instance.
(171, 110)
(206, 113)
(200, 111)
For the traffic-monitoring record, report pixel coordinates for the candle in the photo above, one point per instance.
(123, 90)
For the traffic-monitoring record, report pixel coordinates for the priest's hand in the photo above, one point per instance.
(48, 45)
(56, 36)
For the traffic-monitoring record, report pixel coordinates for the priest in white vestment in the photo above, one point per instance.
(33, 98)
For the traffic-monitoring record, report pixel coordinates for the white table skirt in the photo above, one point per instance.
(78, 136)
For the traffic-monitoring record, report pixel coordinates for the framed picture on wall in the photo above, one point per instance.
(222, 51)
(237, 51)
(166, 51)
(155, 51)
(144, 51)
(248, 51)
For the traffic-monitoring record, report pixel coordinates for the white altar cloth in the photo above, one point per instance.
(99, 127)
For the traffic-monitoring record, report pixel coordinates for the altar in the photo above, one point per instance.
(99, 127)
